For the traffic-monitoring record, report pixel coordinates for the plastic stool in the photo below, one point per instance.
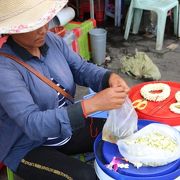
(10, 174)
(116, 14)
(161, 7)
(93, 7)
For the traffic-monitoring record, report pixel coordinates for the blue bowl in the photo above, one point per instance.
(168, 172)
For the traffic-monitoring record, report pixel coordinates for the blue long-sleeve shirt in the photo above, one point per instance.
(29, 112)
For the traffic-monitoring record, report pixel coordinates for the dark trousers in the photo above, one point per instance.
(55, 163)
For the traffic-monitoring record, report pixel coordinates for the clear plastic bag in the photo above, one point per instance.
(120, 123)
(153, 145)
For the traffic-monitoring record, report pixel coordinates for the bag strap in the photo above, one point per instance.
(39, 75)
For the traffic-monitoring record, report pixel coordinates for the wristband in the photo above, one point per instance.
(83, 109)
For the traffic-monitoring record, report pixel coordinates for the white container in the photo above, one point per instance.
(100, 173)
(98, 45)
(63, 17)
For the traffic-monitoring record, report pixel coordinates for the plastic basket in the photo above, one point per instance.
(83, 40)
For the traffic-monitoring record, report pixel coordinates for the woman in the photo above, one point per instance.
(39, 127)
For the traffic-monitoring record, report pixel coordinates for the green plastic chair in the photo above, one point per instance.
(161, 8)
(10, 174)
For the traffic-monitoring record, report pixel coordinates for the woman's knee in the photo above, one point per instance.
(87, 173)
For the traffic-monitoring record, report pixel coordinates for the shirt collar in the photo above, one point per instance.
(22, 52)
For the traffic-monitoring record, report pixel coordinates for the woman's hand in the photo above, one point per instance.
(107, 99)
(116, 81)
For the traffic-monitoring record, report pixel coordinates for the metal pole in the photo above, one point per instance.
(92, 9)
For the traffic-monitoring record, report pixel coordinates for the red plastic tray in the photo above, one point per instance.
(158, 111)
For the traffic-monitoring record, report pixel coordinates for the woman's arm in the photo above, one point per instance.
(18, 104)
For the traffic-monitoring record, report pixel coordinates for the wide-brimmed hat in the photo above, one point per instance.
(20, 16)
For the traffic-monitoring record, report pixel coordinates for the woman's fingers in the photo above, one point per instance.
(107, 99)
(115, 81)
(110, 98)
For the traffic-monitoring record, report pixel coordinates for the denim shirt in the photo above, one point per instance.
(29, 112)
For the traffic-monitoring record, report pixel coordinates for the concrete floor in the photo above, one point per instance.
(168, 61)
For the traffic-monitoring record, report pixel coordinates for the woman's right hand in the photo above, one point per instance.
(107, 99)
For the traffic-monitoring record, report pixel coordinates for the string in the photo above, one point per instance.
(93, 134)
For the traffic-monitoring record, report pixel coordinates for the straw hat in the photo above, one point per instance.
(19, 16)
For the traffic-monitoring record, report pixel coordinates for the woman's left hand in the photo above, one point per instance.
(115, 81)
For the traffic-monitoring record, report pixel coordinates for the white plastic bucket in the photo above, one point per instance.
(98, 45)
(100, 173)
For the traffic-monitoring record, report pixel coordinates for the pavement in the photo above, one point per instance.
(167, 60)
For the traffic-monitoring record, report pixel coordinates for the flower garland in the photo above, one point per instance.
(177, 96)
(147, 89)
(175, 107)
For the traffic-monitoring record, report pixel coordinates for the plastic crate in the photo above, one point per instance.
(77, 32)
(83, 40)
(71, 38)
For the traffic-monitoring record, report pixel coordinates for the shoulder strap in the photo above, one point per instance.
(39, 75)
